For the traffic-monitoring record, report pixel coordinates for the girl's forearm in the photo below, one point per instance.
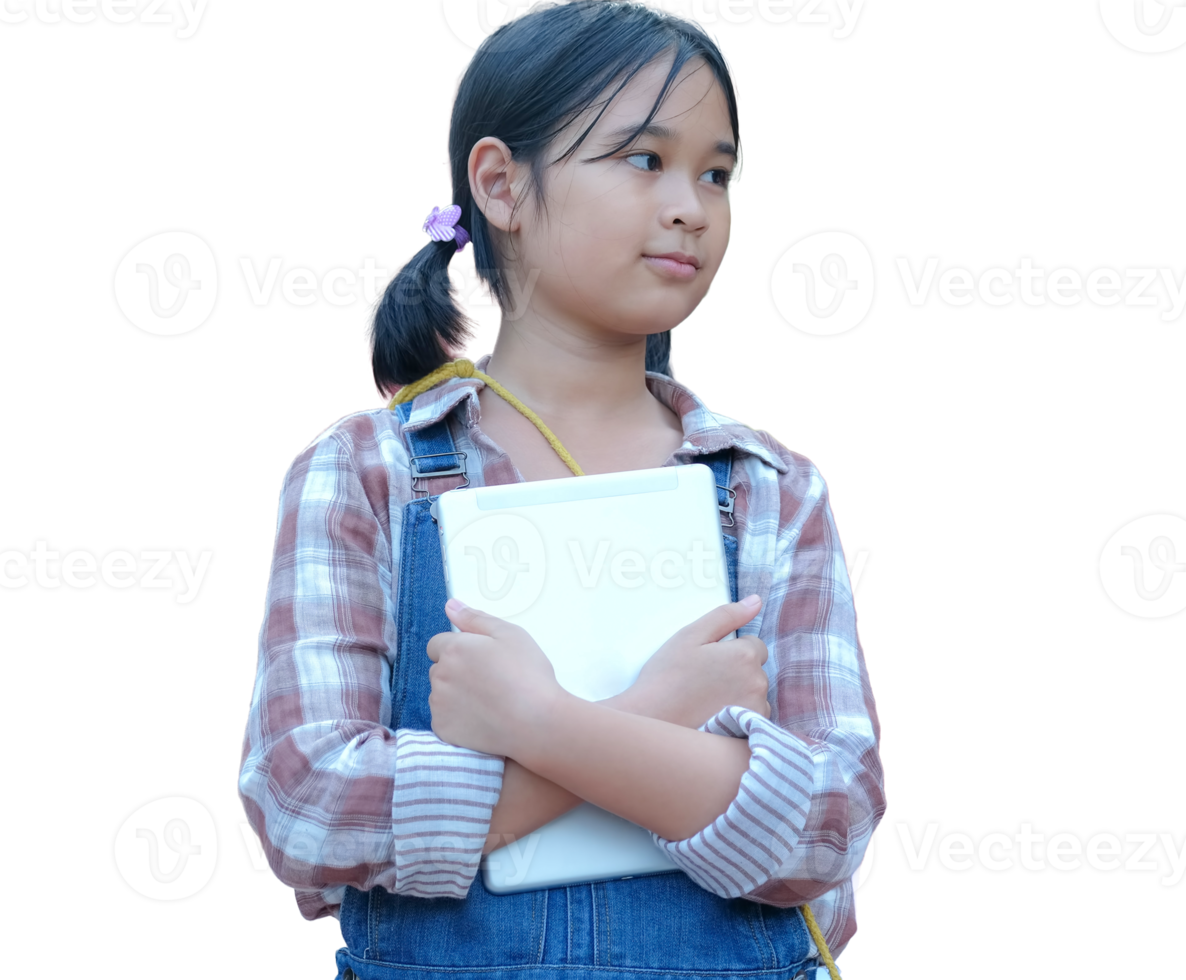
(672, 780)
(528, 800)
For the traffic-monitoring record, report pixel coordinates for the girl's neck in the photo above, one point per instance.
(563, 382)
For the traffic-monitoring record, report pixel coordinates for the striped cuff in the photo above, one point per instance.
(747, 844)
(440, 813)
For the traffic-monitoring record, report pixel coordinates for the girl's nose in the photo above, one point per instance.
(688, 213)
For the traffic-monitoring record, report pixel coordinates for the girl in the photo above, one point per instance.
(592, 145)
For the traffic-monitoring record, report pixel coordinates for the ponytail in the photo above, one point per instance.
(417, 324)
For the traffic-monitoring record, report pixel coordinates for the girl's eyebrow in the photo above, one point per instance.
(661, 132)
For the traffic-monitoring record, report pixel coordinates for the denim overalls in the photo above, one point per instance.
(633, 929)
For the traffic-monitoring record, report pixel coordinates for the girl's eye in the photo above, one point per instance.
(722, 176)
(649, 156)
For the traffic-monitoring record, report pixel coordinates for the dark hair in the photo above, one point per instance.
(527, 81)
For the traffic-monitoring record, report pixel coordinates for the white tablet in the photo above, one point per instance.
(601, 570)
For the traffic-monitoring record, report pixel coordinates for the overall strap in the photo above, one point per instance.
(420, 605)
(721, 463)
(432, 451)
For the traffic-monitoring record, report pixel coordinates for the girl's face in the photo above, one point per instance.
(607, 220)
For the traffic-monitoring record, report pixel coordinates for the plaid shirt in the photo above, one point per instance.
(338, 798)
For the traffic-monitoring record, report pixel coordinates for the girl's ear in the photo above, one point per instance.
(495, 182)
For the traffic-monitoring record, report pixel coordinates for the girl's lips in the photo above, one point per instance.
(670, 267)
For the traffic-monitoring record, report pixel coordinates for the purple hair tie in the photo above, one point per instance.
(442, 226)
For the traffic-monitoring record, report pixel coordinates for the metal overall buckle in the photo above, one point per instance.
(417, 474)
(727, 507)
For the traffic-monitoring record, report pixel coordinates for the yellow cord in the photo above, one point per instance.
(820, 944)
(464, 368)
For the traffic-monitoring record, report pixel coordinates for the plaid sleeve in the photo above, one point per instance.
(813, 794)
(336, 797)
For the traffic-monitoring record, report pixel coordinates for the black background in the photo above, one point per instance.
(983, 456)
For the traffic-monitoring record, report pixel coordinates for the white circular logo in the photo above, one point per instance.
(823, 284)
(472, 20)
(1149, 26)
(168, 283)
(500, 562)
(1143, 566)
(167, 849)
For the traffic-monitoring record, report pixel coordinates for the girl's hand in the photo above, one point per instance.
(695, 674)
(488, 682)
